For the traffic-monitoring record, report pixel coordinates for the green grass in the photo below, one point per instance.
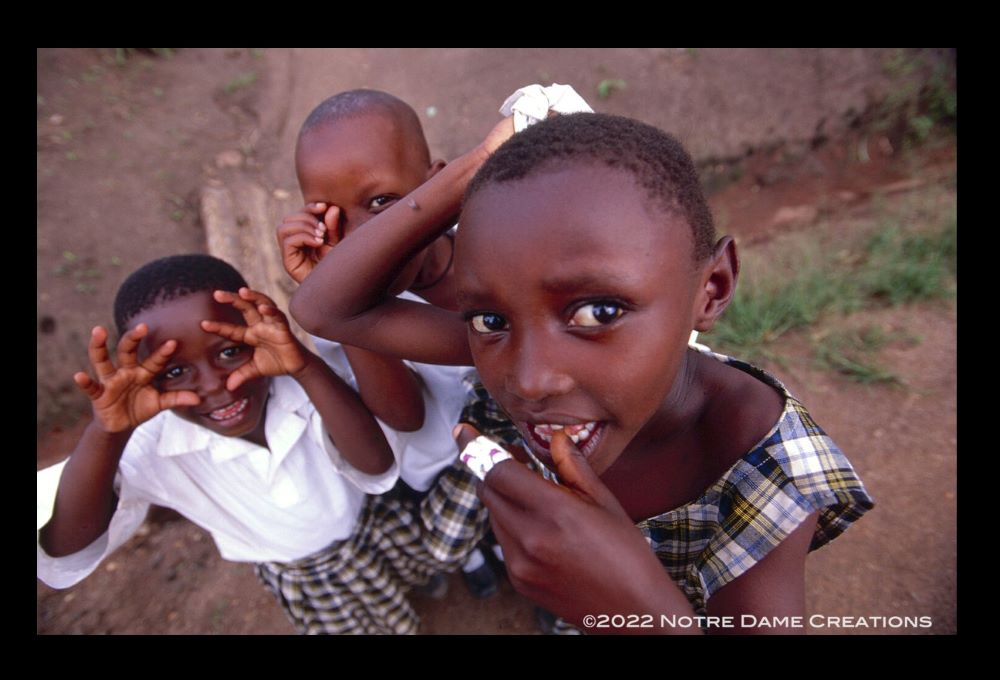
(810, 284)
(852, 354)
(608, 86)
(240, 82)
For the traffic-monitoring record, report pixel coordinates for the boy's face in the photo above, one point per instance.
(362, 165)
(202, 362)
(580, 296)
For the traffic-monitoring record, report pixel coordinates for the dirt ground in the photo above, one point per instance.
(133, 147)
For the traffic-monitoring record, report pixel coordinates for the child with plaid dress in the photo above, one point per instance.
(214, 409)
(691, 485)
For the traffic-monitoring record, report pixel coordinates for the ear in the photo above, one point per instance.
(435, 168)
(717, 285)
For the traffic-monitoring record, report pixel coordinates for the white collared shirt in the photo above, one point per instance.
(259, 505)
(427, 451)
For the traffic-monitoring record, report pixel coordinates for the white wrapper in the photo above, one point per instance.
(481, 454)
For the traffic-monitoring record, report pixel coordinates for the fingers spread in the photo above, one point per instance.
(245, 307)
(157, 361)
(230, 331)
(87, 385)
(97, 351)
(256, 297)
(240, 376)
(170, 400)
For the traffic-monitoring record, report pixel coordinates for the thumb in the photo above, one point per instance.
(575, 473)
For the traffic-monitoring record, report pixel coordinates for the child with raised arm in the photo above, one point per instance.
(214, 409)
(359, 152)
(692, 485)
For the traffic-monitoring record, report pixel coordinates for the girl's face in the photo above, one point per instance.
(580, 297)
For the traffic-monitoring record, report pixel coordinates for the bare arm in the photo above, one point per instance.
(364, 264)
(122, 398)
(773, 589)
(388, 388)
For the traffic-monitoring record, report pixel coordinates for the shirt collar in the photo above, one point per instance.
(286, 418)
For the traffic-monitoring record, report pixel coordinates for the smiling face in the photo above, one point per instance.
(580, 296)
(362, 164)
(202, 362)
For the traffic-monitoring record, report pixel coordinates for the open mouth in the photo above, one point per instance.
(230, 412)
(585, 435)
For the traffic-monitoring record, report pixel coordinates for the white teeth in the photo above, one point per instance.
(578, 432)
(230, 411)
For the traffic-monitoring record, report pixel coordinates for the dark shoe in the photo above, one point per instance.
(435, 589)
(546, 621)
(482, 582)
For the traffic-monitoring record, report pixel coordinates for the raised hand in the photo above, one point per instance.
(572, 548)
(276, 349)
(124, 397)
(306, 236)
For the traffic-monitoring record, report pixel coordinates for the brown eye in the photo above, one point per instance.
(488, 323)
(233, 352)
(380, 203)
(172, 373)
(596, 314)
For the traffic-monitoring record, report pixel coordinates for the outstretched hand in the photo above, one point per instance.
(124, 397)
(306, 237)
(276, 349)
(571, 548)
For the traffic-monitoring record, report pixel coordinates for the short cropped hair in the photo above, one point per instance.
(657, 161)
(169, 278)
(352, 103)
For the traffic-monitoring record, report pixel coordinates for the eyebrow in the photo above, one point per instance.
(600, 283)
(592, 281)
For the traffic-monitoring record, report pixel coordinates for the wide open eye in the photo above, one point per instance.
(234, 352)
(596, 314)
(488, 323)
(380, 203)
(172, 373)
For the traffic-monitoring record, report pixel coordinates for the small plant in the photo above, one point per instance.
(851, 354)
(607, 86)
(240, 82)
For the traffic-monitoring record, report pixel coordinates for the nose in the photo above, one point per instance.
(538, 371)
(210, 381)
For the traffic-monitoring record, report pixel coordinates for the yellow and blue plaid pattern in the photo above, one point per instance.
(795, 471)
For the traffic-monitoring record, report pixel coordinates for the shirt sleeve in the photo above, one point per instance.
(66, 571)
(371, 484)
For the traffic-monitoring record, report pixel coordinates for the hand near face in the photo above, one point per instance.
(276, 351)
(306, 237)
(571, 548)
(123, 397)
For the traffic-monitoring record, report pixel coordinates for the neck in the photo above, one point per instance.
(682, 406)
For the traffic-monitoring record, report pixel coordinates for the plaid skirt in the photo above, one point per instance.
(358, 585)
